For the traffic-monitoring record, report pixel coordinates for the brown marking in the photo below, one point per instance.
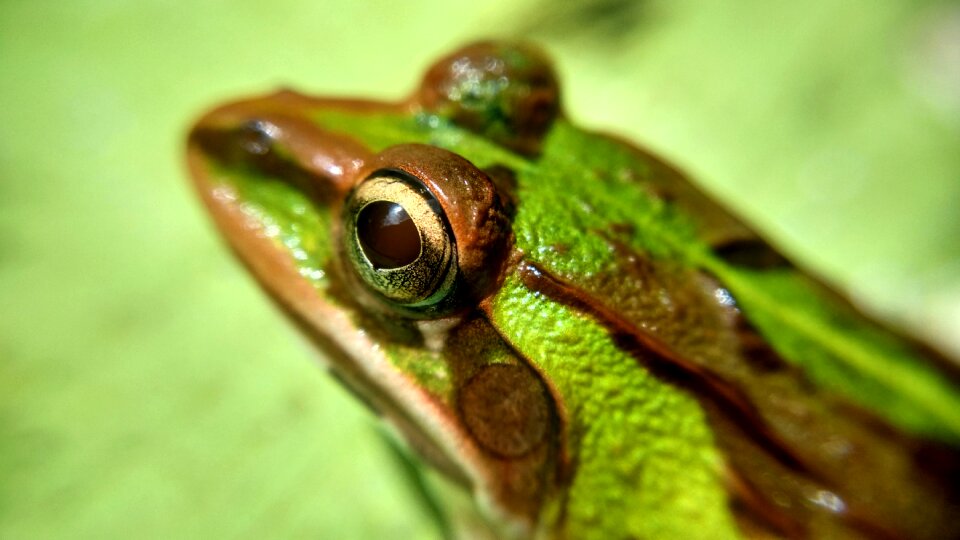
(753, 253)
(663, 360)
(757, 352)
(565, 466)
(504, 406)
(622, 229)
(508, 412)
(320, 164)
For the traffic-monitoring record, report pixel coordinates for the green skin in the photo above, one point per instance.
(631, 447)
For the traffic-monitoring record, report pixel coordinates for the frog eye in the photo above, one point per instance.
(398, 240)
(507, 92)
(423, 233)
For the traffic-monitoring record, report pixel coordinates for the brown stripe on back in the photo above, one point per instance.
(660, 358)
(815, 465)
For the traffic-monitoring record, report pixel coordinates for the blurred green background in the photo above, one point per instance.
(148, 389)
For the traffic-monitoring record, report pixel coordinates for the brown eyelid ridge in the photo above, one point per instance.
(472, 205)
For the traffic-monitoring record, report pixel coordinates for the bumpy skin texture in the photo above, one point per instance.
(631, 361)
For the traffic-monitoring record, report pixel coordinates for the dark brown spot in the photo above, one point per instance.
(622, 229)
(751, 253)
(505, 408)
(757, 352)
(388, 236)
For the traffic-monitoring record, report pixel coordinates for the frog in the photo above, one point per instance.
(564, 329)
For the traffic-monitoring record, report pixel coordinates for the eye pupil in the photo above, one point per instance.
(388, 237)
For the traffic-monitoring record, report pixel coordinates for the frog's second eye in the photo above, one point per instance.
(398, 241)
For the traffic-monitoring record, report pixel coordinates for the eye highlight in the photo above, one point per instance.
(398, 240)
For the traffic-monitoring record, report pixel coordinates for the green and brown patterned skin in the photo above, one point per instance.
(564, 326)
